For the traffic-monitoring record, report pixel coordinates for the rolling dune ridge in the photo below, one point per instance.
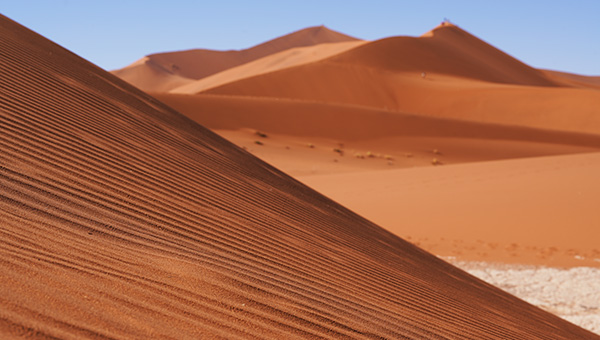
(121, 218)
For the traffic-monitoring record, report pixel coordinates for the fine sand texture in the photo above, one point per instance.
(571, 293)
(536, 210)
(121, 218)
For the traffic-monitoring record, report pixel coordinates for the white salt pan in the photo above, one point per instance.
(573, 294)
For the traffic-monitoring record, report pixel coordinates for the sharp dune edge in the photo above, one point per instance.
(446, 73)
(273, 62)
(120, 218)
(166, 71)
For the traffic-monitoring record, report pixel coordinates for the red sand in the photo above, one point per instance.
(473, 104)
(449, 74)
(474, 211)
(270, 63)
(164, 71)
(121, 218)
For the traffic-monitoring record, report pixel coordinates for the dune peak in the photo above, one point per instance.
(445, 25)
(121, 218)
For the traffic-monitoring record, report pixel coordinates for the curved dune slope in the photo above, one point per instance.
(448, 73)
(349, 123)
(151, 72)
(574, 80)
(447, 50)
(120, 218)
(277, 61)
(148, 75)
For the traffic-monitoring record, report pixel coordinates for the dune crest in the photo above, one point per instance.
(448, 73)
(277, 61)
(199, 63)
(121, 218)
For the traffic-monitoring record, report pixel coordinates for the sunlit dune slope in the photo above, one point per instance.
(446, 50)
(149, 75)
(120, 218)
(574, 80)
(277, 61)
(448, 73)
(534, 211)
(170, 67)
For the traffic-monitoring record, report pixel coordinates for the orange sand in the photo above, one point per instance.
(165, 71)
(445, 98)
(121, 218)
(474, 211)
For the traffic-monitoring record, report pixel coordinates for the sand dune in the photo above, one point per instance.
(121, 218)
(571, 293)
(446, 50)
(277, 61)
(348, 122)
(574, 80)
(150, 72)
(448, 73)
(398, 140)
(149, 75)
(534, 211)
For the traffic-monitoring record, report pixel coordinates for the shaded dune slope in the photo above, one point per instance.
(447, 50)
(120, 218)
(273, 62)
(446, 73)
(346, 122)
(574, 80)
(149, 72)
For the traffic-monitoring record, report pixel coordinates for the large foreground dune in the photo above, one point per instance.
(120, 218)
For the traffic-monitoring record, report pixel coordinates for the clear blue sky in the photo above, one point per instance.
(559, 35)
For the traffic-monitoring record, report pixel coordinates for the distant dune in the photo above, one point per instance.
(349, 122)
(121, 218)
(164, 71)
(574, 80)
(446, 73)
(273, 62)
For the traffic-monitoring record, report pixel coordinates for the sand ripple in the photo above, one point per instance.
(573, 294)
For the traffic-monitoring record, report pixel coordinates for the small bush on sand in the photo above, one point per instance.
(261, 134)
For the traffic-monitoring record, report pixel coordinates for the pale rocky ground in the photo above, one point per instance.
(571, 293)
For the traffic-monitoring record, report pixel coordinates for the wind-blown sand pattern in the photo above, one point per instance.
(121, 218)
(533, 210)
(570, 293)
